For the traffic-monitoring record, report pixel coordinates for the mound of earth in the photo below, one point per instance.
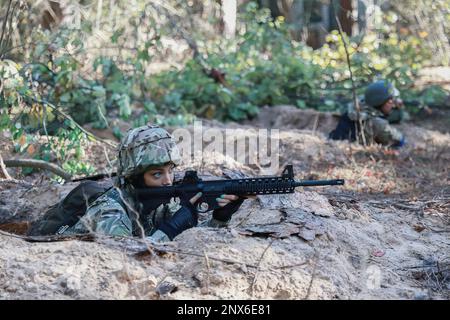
(301, 246)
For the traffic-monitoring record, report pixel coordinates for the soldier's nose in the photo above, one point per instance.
(167, 179)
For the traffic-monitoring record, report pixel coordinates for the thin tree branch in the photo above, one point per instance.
(89, 134)
(355, 99)
(313, 275)
(258, 265)
(39, 164)
(208, 268)
(3, 172)
(8, 36)
(4, 23)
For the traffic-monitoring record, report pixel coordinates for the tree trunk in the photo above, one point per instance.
(297, 19)
(229, 8)
(345, 16)
(272, 5)
(52, 15)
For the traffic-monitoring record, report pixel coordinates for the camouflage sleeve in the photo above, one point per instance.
(105, 216)
(384, 133)
(114, 221)
(398, 115)
(353, 115)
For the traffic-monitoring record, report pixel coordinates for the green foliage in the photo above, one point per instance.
(20, 111)
(261, 66)
(265, 67)
(432, 96)
(78, 167)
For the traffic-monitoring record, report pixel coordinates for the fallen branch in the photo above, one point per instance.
(38, 164)
(208, 268)
(258, 265)
(52, 238)
(313, 275)
(16, 182)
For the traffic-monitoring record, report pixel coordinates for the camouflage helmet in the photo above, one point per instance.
(146, 146)
(379, 92)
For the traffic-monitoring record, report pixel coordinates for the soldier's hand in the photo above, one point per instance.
(398, 103)
(228, 205)
(225, 199)
(195, 198)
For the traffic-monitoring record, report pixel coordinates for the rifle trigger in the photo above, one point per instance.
(202, 207)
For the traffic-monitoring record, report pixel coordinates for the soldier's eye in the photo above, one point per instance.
(157, 175)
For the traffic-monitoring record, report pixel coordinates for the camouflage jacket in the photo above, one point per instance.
(378, 127)
(117, 213)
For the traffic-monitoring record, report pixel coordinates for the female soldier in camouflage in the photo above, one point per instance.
(147, 157)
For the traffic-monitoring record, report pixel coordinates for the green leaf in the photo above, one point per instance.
(99, 91)
(301, 104)
(143, 55)
(124, 106)
(117, 34)
(150, 106)
(117, 133)
(66, 97)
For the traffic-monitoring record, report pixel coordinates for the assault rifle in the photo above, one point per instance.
(212, 189)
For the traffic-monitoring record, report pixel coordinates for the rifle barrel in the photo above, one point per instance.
(312, 183)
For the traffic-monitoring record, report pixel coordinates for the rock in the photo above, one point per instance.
(129, 274)
(311, 202)
(355, 261)
(143, 289)
(306, 220)
(71, 284)
(166, 287)
(329, 236)
(261, 216)
(283, 295)
(234, 233)
(308, 235)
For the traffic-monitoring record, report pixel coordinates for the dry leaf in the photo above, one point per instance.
(22, 140)
(31, 150)
(418, 227)
(378, 253)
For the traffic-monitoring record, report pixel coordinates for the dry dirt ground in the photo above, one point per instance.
(384, 235)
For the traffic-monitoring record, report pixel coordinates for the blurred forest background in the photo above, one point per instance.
(72, 66)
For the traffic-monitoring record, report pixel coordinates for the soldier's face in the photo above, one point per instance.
(388, 106)
(159, 176)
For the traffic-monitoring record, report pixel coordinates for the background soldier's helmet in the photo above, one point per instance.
(379, 92)
(144, 147)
